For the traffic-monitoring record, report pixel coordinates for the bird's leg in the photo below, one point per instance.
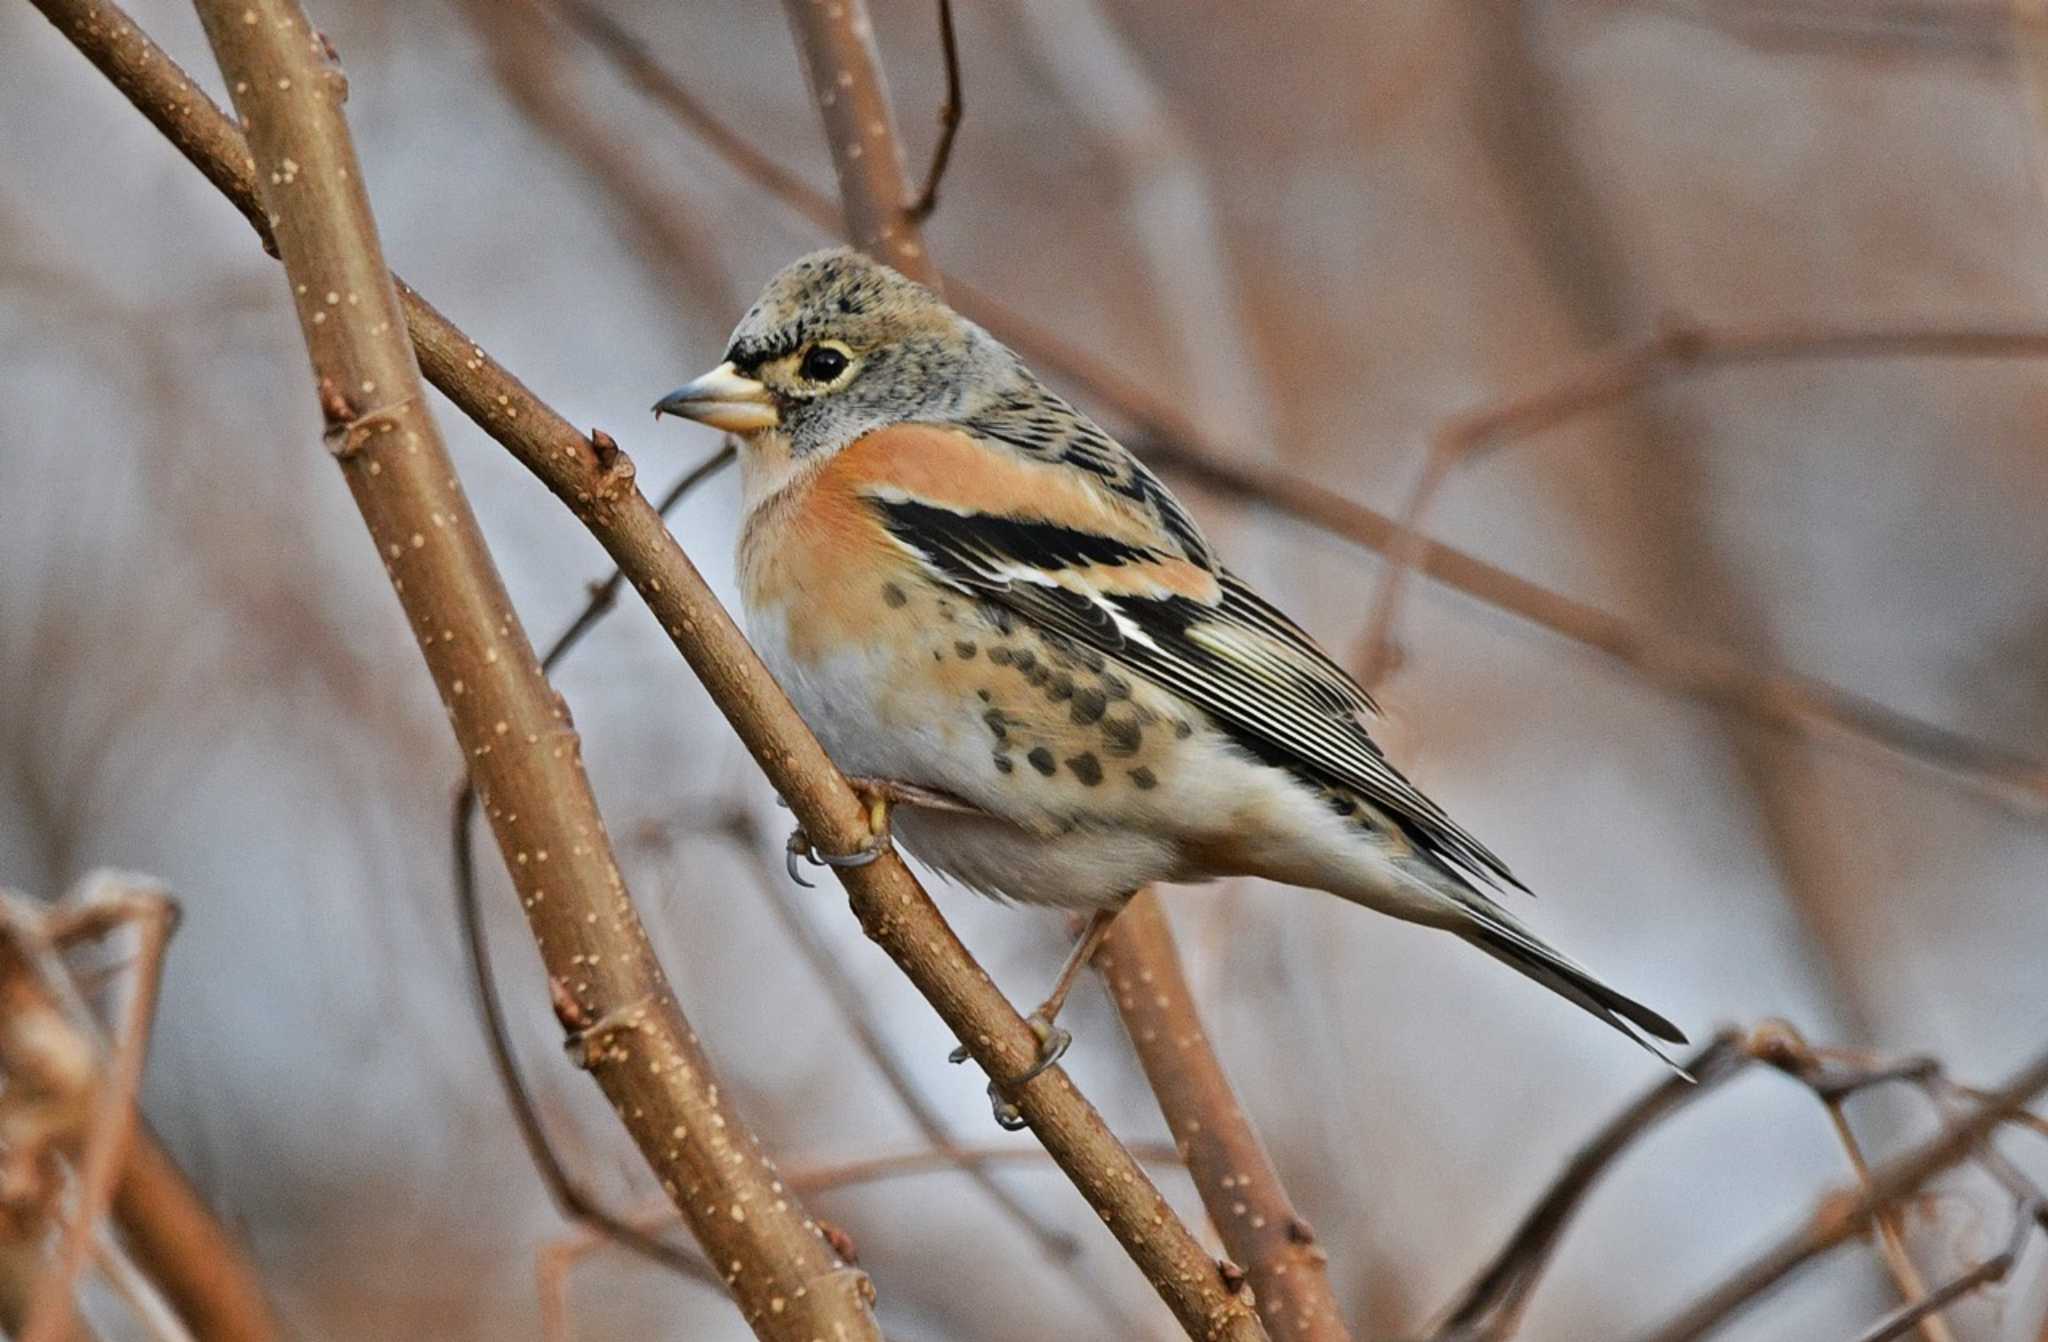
(1041, 1021)
(881, 795)
(1053, 1042)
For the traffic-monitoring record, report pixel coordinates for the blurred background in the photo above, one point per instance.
(1317, 230)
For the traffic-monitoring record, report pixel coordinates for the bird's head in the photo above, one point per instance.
(839, 345)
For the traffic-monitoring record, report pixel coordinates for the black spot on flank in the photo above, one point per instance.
(1060, 687)
(1342, 804)
(1001, 655)
(1041, 760)
(1182, 731)
(893, 596)
(938, 654)
(982, 695)
(1116, 686)
(1144, 779)
(964, 650)
(1038, 675)
(997, 723)
(1025, 659)
(1122, 735)
(1089, 705)
(1003, 764)
(1086, 768)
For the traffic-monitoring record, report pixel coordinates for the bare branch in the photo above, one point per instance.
(1841, 1218)
(950, 113)
(148, 908)
(837, 44)
(621, 1017)
(640, 67)
(177, 1241)
(595, 480)
(1490, 1307)
(1680, 348)
(570, 1198)
(1239, 1185)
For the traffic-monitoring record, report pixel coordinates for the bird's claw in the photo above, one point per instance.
(879, 798)
(1053, 1043)
(800, 846)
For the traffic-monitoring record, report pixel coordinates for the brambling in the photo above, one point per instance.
(986, 607)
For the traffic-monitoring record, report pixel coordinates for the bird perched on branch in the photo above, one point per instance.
(987, 608)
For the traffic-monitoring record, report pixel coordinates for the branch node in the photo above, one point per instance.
(579, 1040)
(1232, 1276)
(841, 1242)
(350, 430)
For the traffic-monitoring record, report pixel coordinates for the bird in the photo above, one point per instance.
(1019, 643)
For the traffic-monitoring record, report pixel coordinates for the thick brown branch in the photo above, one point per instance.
(515, 733)
(836, 40)
(1236, 1178)
(893, 908)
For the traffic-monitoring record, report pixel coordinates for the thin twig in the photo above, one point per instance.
(1843, 1216)
(1168, 437)
(1679, 348)
(1239, 1185)
(951, 111)
(1891, 1237)
(150, 910)
(1924, 1309)
(1490, 1307)
(615, 1005)
(595, 481)
(570, 1197)
(644, 71)
(522, 46)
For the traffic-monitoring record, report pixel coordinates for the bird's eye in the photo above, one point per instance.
(823, 364)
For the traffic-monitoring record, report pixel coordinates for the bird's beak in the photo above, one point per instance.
(724, 398)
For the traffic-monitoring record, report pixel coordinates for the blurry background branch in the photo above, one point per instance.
(1492, 1306)
(69, 1104)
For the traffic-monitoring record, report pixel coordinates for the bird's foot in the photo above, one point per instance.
(800, 846)
(881, 795)
(1053, 1043)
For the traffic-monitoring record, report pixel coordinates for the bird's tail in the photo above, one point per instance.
(1492, 930)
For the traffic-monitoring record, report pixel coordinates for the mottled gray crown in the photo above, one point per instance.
(918, 359)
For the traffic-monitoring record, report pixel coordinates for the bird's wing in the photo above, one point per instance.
(1101, 565)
